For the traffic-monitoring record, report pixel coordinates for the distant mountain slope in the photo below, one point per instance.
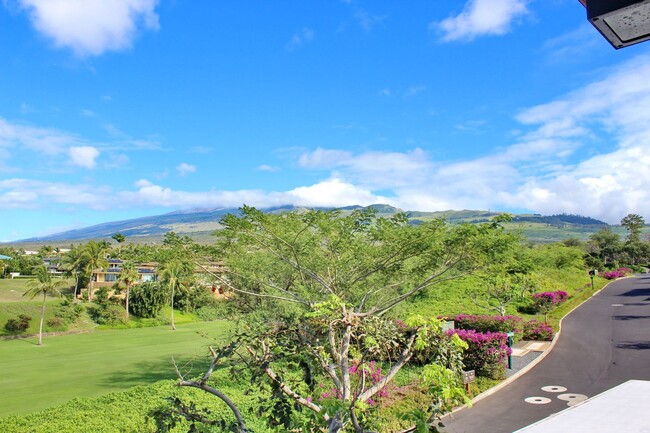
(204, 221)
(182, 222)
(561, 219)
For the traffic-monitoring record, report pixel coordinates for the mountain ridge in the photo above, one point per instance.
(203, 221)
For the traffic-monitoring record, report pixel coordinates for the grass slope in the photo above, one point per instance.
(90, 365)
(12, 290)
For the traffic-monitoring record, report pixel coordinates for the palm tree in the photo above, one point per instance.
(126, 278)
(73, 262)
(46, 285)
(95, 253)
(172, 274)
(119, 238)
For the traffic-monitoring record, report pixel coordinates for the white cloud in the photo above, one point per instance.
(472, 126)
(41, 140)
(184, 168)
(269, 168)
(201, 149)
(323, 158)
(480, 18)
(300, 39)
(415, 90)
(367, 21)
(332, 192)
(374, 170)
(384, 92)
(83, 156)
(50, 149)
(25, 108)
(92, 27)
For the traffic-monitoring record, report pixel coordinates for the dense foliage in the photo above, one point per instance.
(147, 299)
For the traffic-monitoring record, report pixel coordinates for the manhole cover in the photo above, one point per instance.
(553, 388)
(572, 397)
(537, 400)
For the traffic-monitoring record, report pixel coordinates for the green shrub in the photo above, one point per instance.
(110, 314)
(146, 300)
(57, 323)
(207, 314)
(18, 325)
(69, 312)
(194, 298)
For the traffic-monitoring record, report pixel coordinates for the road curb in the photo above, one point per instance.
(536, 361)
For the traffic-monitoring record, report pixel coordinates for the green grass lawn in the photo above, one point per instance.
(12, 290)
(90, 365)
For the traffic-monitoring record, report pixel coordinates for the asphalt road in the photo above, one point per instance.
(603, 343)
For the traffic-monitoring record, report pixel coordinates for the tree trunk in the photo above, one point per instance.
(76, 285)
(40, 328)
(127, 303)
(90, 289)
(173, 325)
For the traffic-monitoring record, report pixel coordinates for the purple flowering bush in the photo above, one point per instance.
(487, 353)
(618, 273)
(546, 301)
(486, 323)
(553, 298)
(538, 331)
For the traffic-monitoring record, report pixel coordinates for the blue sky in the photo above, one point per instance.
(111, 109)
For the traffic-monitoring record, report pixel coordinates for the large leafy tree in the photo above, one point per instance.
(337, 277)
(633, 223)
(636, 250)
(94, 253)
(126, 278)
(604, 247)
(45, 285)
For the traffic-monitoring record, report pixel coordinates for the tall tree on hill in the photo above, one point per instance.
(44, 285)
(95, 255)
(126, 278)
(633, 223)
(635, 250)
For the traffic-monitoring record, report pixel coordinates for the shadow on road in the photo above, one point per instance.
(634, 345)
(630, 317)
(637, 292)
